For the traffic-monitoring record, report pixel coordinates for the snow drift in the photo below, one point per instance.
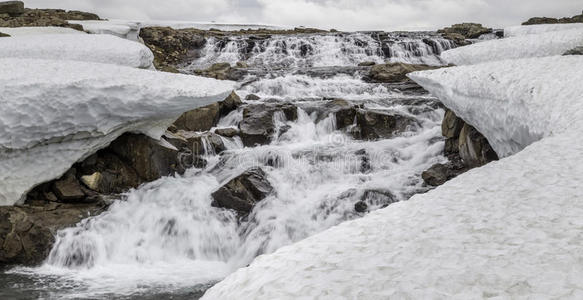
(532, 45)
(511, 229)
(20, 31)
(80, 47)
(537, 29)
(55, 113)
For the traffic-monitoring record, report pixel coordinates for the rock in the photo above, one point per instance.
(243, 192)
(474, 149)
(4, 34)
(227, 132)
(367, 64)
(46, 17)
(68, 189)
(146, 156)
(361, 207)
(451, 125)
(374, 124)
(207, 117)
(257, 127)
(467, 30)
(545, 20)
(221, 71)
(12, 8)
(200, 119)
(252, 97)
(394, 72)
(107, 173)
(172, 47)
(203, 143)
(27, 233)
(438, 174)
(575, 51)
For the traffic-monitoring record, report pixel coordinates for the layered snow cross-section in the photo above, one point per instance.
(509, 230)
(55, 113)
(79, 47)
(531, 45)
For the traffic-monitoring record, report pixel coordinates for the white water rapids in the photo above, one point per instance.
(165, 237)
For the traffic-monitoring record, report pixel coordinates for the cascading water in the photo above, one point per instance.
(324, 50)
(165, 238)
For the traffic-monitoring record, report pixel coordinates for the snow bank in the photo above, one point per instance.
(20, 31)
(123, 29)
(537, 29)
(55, 113)
(533, 45)
(89, 47)
(509, 230)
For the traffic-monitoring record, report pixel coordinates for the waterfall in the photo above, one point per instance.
(166, 237)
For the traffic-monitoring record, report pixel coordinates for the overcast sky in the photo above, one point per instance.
(325, 14)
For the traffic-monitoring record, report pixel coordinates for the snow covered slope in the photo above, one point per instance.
(81, 47)
(509, 230)
(20, 31)
(532, 45)
(55, 113)
(537, 29)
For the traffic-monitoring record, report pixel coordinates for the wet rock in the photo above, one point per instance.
(222, 71)
(243, 192)
(68, 189)
(4, 34)
(438, 174)
(467, 30)
(27, 233)
(365, 166)
(241, 64)
(367, 64)
(227, 132)
(378, 197)
(474, 149)
(450, 129)
(146, 156)
(203, 143)
(374, 124)
(361, 207)
(575, 51)
(12, 8)
(257, 126)
(394, 72)
(200, 119)
(252, 97)
(207, 117)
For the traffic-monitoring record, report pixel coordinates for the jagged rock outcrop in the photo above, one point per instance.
(243, 192)
(257, 126)
(27, 232)
(393, 72)
(465, 147)
(546, 20)
(204, 118)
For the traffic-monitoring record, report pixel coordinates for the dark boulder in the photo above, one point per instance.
(257, 126)
(243, 192)
(146, 156)
(252, 97)
(107, 174)
(438, 174)
(27, 232)
(373, 125)
(367, 64)
(207, 117)
(227, 132)
(4, 34)
(474, 149)
(12, 8)
(68, 188)
(394, 72)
